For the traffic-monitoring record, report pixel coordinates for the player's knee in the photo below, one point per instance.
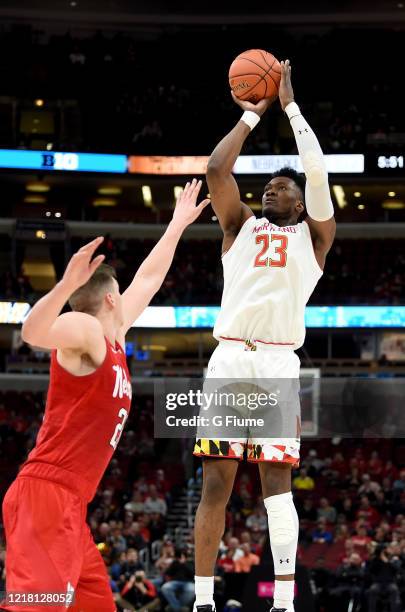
(214, 492)
(276, 480)
(282, 521)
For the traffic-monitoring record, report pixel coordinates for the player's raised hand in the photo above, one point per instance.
(186, 210)
(259, 108)
(80, 268)
(286, 92)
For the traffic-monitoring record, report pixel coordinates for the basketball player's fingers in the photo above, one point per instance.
(203, 204)
(91, 245)
(195, 188)
(184, 192)
(96, 262)
(191, 190)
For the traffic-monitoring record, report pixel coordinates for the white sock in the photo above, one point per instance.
(283, 593)
(283, 530)
(204, 590)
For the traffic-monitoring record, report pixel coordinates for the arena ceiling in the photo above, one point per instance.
(206, 11)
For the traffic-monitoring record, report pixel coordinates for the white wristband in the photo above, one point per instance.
(250, 118)
(292, 110)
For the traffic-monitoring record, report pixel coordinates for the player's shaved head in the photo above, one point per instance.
(89, 297)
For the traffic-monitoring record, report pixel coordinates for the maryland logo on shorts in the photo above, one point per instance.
(214, 448)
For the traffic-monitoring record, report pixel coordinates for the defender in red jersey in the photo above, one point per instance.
(49, 545)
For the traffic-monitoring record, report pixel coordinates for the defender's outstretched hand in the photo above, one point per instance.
(186, 210)
(286, 92)
(259, 108)
(80, 268)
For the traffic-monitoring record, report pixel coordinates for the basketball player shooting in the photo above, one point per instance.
(50, 550)
(271, 267)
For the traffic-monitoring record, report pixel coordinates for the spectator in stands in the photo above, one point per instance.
(369, 487)
(361, 540)
(339, 464)
(136, 505)
(131, 564)
(399, 484)
(321, 577)
(234, 546)
(255, 540)
(326, 511)
(389, 471)
(154, 503)
(308, 511)
(341, 533)
(313, 463)
(156, 526)
(353, 480)
(350, 580)
(322, 534)
(329, 473)
(107, 506)
(166, 557)
(116, 569)
(140, 593)
(226, 562)
(303, 482)
(375, 466)
(258, 520)
(117, 542)
(346, 509)
(367, 511)
(134, 537)
(103, 533)
(383, 573)
(179, 590)
(245, 563)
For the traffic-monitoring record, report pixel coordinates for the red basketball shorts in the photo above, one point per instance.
(49, 549)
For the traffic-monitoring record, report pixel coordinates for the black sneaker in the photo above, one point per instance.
(207, 608)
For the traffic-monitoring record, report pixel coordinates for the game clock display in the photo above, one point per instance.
(390, 162)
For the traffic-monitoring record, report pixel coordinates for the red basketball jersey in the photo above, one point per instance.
(83, 421)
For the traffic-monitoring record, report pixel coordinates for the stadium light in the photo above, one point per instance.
(104, 202)
(37, 187)
(393, 205)
(147, 196)
(35, 199)
(340, 196)
(109, 190)
(177, 190)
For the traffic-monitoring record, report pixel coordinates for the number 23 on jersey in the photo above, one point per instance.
(280, 251)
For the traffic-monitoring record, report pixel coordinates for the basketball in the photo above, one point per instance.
(254, 75)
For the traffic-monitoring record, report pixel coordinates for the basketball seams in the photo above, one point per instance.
(262, 76)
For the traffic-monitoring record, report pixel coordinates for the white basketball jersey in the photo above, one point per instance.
(269, 275)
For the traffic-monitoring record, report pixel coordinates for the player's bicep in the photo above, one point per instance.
(225, 200)
(71, 330)
(322, 233)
